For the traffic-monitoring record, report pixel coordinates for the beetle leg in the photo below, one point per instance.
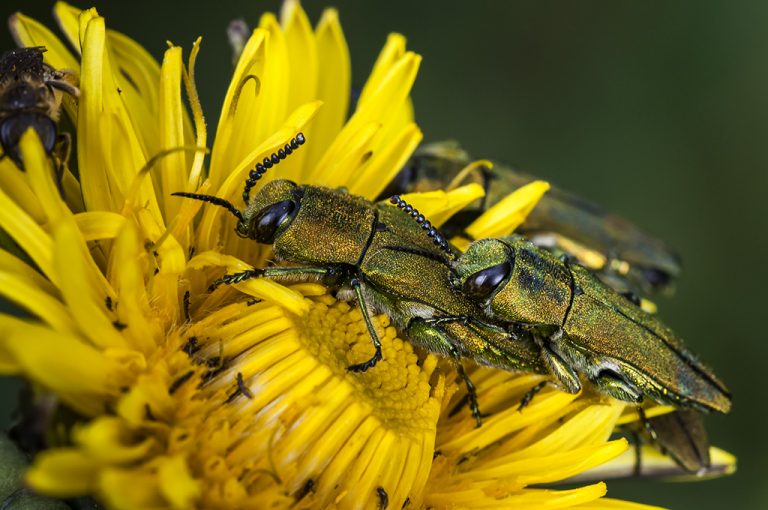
(471, 390)
(362, 367)
(269, 272)
(638, 469)
(647, 424)
(530, 394)
(231, 279)
(429, 334)
(613, 384)
(565, 377)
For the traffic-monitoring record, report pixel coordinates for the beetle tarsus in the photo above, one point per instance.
(474, 407)
(528, 397)
(231, 279)
(364, 366)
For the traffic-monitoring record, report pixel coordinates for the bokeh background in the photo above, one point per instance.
(657, 110)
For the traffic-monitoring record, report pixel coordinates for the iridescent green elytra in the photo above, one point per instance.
(584, 327)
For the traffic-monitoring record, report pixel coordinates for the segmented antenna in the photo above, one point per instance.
(213, 200)
(269, 162)
(419, 218)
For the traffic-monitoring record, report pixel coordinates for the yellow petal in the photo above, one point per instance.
(177, 484)
(438, 206)
(25, 231)
(16, 184)
(28, 296)
(99, 225)
(242, 86)
(505, 216)
(302, 54)
(67, 17)
(63, 472)
(269, 290)
(127, 276)
(41, 178)
(539, 469)
(201, 132)
(356, 152)
(109, 149)
(630, 413)
(66, 365)
(108, 440)
(13, 265)
(128, 489)
(93, 175)
(657, 465)
(81, 290)
(333, 87)
(385, 98)
(393, 50)
(385, 164)
(172, 168)
(138, 75)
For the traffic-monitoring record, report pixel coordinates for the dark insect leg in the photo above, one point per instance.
(646, 423)
(187, 315)
(528, 397)
(362, 367)
(566, 379)
(269, 272)
(471, 391)
(231, 279)
(429, 334)
(383, 498)
(638, 469)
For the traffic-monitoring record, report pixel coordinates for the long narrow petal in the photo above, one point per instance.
(172, 168)
(509, 213)
(386, 162)
(81, 289)
(333, 86)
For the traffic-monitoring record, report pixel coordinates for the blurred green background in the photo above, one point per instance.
(656, 110)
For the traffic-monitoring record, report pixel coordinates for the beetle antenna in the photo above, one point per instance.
(269, 162)
(213, 200)
(419, 218)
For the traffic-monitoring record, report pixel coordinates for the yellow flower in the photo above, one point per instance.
(240, 398)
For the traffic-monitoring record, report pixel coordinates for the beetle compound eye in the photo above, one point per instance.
(482, 284)
(266, 223)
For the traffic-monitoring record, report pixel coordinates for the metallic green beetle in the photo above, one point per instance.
(385, 258)
(583, 327)
(624, 256)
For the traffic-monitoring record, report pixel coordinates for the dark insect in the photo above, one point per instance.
(30, 97)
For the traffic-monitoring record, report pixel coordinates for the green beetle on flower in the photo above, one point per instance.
(584, 327)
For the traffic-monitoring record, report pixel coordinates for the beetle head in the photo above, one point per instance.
(483, 269)
(270, 211)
